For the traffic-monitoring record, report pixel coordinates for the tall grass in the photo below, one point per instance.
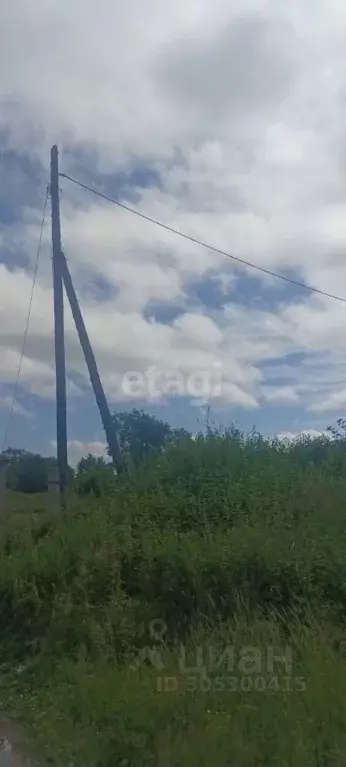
(223, 540)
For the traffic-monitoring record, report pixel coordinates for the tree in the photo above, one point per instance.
(93, 476)
(28, 472)
(338, 431)
(141, 435)
(90, 462)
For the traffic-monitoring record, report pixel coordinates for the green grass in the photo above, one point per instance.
(85, 713)
(225, 542)
(21, 503)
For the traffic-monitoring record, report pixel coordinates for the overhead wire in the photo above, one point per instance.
(16, 386)
(203, 244)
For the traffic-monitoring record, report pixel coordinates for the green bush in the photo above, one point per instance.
(217, 535)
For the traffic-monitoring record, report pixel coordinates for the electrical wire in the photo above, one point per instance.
(16, 386)
(196, 241)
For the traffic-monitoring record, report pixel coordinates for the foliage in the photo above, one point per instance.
(227, 538)
(104, 715)
(90, 462)
(94, 476)
(28, 472)
(338, 431)
(97, 481)
(141, 435)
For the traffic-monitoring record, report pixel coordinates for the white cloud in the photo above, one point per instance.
(291, 436)
(78, 449)
(107, 85)
(335, 401)
(240, 109)
(278, 395)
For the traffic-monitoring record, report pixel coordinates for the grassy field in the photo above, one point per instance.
(194, 615)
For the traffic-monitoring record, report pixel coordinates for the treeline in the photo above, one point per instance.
(142, 436)
(28, 472)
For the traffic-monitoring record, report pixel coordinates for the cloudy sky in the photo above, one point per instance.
(224, 120)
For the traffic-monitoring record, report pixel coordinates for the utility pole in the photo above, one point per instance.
(60, 368)
(100, 396)
(4, 462)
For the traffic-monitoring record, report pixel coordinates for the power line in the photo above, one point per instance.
(220, 252)
(15, 391)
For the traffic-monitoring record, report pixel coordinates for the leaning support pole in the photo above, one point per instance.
(100, 396)
(60, 371)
